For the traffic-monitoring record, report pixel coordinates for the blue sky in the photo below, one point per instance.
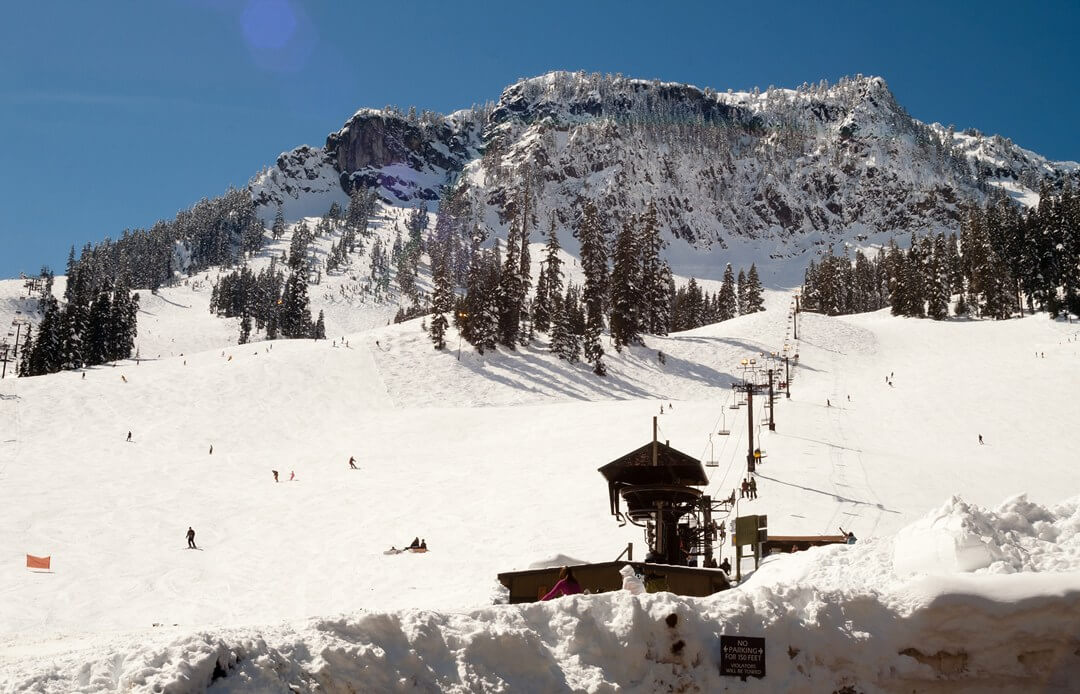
(116, 113)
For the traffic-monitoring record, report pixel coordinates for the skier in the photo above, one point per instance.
(980, 440)
(827, 403)
(661, 409)
(211, 449)
(129, 437)
(352, 462)
(744, 490)
(275, 475)
(849, 398)
(191, 538)
(753, 487)
(292, 475)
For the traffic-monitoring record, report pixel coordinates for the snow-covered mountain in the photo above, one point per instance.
(792, 167)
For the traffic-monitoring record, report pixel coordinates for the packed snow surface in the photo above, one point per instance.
(956, 581)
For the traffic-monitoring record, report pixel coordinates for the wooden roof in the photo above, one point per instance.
(672, 467)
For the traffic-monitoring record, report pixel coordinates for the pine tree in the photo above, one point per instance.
(594, 264)
(655, 277)
(726, 299)
(753, 299)
(278, 229)
(294, 319)
(549, 286)
(442, 300)
(626, 288)
(740, 294)
(245, 330)
(97, 344)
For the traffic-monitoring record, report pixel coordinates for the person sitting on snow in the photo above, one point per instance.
(415, 543)
(567, 585)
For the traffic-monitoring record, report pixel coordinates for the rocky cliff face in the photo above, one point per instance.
(794, 166)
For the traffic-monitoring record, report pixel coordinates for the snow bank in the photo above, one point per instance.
(1019, 536)
(833, 617)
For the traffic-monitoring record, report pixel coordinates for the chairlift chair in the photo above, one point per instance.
(724, 431)
(712, 461)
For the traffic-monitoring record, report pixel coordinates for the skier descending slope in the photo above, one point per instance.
(191, 538)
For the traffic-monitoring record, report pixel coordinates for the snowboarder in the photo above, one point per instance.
(211, 449)
(275, 475)
(980, 440)
(352, 462)
(191, 538)
(292, 475)
(753, 488)
(129, 437)
(827, 403)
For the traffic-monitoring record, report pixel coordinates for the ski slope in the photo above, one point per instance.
(492, 459)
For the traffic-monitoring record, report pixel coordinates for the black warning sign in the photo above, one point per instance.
(742, 656)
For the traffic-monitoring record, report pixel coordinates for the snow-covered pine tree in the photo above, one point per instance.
(442, 298)
(525, 328)
(549, 286)
(509, 291)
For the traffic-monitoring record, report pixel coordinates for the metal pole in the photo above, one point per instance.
(750, 426)
(772, 422)
(787, 376)
(18, 331)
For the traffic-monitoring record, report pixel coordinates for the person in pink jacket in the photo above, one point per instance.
(567, 585)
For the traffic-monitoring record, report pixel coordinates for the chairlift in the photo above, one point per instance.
(724, 431)
(712, 461)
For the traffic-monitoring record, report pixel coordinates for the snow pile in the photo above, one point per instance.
(832, 617)
(1019, 536)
